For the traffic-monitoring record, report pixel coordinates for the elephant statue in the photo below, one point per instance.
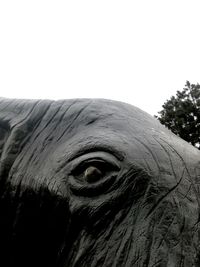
(95, 182)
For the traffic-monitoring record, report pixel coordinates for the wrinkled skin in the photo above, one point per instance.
(95, 183)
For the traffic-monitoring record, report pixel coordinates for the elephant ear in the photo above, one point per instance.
(18, 119)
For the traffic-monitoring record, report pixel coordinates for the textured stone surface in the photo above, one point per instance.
(95, 183)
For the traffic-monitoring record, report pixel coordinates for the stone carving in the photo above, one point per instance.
(91, 182)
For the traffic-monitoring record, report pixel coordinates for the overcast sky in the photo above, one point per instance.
(140, 52)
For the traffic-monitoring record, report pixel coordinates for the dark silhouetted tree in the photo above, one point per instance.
(181, 114)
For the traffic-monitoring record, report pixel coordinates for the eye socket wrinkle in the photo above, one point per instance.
(97, 148)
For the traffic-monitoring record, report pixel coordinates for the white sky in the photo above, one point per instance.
(138, 52)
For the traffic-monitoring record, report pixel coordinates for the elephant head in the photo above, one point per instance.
(93, 182)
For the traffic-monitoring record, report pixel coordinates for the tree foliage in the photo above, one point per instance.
(181, 114)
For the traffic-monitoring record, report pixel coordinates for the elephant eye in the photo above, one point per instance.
(92, 173)
(93, 170)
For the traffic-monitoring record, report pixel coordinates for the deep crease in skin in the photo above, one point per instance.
(30, 144)
(73, 121)
(47, 137)
(35, 127)
(149, 150)
(189, 176)
(165, 195)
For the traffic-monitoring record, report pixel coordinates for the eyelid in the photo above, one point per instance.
(101, 156)
(118, 155)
